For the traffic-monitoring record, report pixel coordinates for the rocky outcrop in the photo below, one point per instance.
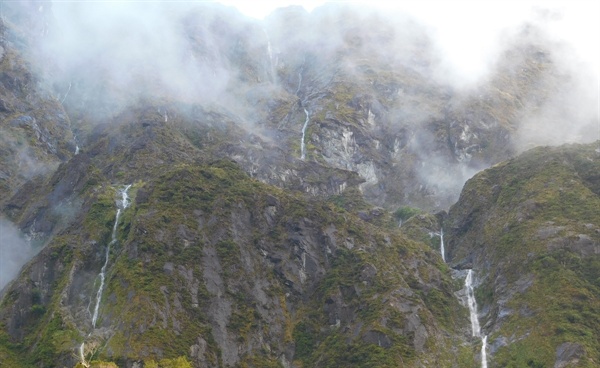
(211, 262)
(264, 163)
(526, 229)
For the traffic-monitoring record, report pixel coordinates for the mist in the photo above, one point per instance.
(459, 67)
(15, 251)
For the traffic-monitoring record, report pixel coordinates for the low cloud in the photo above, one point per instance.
(15, 251)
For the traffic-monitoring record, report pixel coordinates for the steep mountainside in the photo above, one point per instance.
(35, 134)
(207, 190)
(530, 229)
(210, 263)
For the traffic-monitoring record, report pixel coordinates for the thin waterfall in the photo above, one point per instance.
(121, 205)
(299, 82)
(82, 355)
(76, 144)
(270, 54)
(66, 94)
(484, 352)
(302, 143)
(475, 327)
(442, 250)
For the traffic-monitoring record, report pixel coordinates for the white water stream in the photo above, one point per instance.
(475, 327)
(442, 250)
(302, 143)
(82, 355)
(299, 82)
(66, 94)
(121, 205)
(76, 144)
(270, 53)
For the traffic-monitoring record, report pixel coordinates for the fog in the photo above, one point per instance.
(451, 58)
(175, 51)
(15, 251)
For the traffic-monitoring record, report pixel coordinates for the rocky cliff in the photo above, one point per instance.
(233, 196)
(529, 228)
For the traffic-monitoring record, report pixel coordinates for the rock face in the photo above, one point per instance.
(35, 133)
(213, 263)
(530, 229)
(264, 163)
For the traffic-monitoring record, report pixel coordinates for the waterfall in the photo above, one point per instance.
(270, 53)
(302, 144)
(299, 80)
(472, 303)
(442, 250)
(76, 144)
(121, 205)
(475, 327)
(82, 355)
(66, 94)
(483, 352)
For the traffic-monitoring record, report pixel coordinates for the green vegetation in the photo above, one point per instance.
(405, 212)
(541, 221)
(211, 230)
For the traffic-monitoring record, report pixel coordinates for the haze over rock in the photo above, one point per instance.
(270, 164)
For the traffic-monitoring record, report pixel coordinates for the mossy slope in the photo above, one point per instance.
(530, 228)
(222, 270)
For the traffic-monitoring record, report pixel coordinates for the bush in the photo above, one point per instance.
(405, 212)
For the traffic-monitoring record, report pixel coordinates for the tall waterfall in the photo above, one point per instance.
(302, 143)
(442, 250)
(475, 327)
(270, 54)
(122, 204)
(299, 82)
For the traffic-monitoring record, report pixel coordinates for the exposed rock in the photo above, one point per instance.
(568, 354)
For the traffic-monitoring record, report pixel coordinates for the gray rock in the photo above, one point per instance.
(568, 354)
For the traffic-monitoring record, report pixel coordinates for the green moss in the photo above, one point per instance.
(304, 336)
(179, 362)
(228, 253)
(538, 209)
(405, 212)
(187, 211)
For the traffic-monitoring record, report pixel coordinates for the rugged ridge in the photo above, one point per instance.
(288, 196)
(530, 229)
(265, 276)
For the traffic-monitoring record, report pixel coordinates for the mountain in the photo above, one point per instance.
(184, 186)
(530, 230)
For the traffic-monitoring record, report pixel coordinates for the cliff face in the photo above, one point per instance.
(264, 166)
(211, 265)
(530, 229)
(35, 134)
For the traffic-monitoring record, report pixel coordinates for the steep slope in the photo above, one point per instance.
(530, 230)
(222, 270)
(35, 132)
(363, 98)
(255, 152)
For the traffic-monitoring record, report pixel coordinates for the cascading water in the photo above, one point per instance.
(484, 352)
(76, 144)
(270, 53)
(66, 94)
(299, 82)
(82, 355)
(121, 205)
(302, 144)
(475, 327)
(442, 250)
